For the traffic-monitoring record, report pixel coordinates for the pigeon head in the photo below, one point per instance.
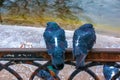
(52, 26)
(86, 26)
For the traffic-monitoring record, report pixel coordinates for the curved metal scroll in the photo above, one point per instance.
(90, 72)
(6, 67)
(28, 56)
(14, 73)
(85, 68)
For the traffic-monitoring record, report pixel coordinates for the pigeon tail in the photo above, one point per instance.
(80, 60)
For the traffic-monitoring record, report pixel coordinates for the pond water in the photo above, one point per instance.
(70, 14)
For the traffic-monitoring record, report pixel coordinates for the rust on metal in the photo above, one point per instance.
(96, 54)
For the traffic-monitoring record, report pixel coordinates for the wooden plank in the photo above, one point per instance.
(96, 54)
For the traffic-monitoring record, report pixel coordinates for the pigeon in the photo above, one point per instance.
(48, 74)
(56, 44)
(109, 72)
(44, 75)
(84, 39)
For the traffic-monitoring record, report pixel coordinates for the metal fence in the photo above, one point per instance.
(97, 56)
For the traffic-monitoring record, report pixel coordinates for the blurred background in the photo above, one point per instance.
(69, 14)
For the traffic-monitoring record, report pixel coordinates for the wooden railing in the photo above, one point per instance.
(97, 56)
